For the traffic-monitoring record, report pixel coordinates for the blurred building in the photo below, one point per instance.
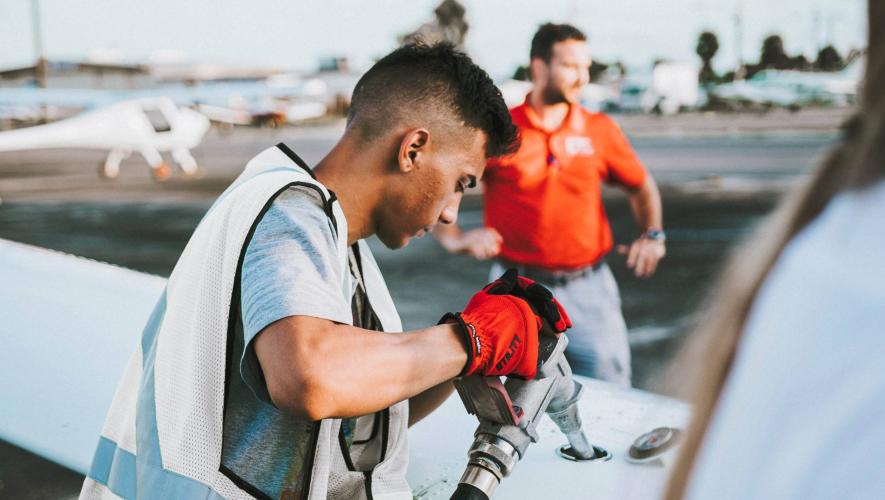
(79, 75)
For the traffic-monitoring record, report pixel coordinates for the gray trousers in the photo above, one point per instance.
(598, 345)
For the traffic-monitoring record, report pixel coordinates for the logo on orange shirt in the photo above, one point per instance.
(577, 145)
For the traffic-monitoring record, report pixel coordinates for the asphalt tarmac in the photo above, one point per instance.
(715, 188)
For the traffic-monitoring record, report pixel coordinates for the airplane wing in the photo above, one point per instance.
(236, 102)
(68, 324)
(613, 417)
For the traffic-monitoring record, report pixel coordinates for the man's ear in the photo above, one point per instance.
(413, 145)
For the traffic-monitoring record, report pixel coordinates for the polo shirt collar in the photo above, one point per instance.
(574, 119)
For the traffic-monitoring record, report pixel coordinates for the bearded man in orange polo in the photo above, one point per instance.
(543, 205)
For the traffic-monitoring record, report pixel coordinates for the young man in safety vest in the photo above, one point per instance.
(268, 368)
(543, 205)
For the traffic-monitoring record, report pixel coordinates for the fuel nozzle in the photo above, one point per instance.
(489, 460)
(508, 416)
(565, 415)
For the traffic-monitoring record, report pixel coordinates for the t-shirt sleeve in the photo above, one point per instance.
(290, 268)
(623, 165)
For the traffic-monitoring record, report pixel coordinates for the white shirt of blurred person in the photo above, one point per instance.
(277, 394)
(543, 205)
(790, 392)
(800, 416)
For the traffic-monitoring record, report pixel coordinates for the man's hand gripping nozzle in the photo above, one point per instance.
(509, 412)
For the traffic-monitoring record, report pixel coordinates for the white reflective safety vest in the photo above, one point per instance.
(163, 433)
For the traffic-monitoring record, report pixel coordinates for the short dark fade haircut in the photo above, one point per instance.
(549, 35)
(437, 81)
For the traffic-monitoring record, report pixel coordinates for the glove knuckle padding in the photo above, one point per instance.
(541, 299)
(506, 326)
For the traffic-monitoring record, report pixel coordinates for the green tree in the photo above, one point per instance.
(522, 73)
(829, 59)
(773, 55)
(707, 47)
(596, 70)
(449, 25)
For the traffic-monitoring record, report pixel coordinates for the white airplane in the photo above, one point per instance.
(792, 89)
(273, 101)
(149, 126)
(70, 324)
(668, 88)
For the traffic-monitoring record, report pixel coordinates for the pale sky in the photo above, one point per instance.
(295, 34)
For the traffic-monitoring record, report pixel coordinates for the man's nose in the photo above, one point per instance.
(449, 214)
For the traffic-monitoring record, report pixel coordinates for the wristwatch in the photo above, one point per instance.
(654, 234)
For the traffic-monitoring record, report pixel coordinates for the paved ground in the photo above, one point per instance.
(676, 145)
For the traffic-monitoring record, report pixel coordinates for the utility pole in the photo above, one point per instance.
(739, 39)
(832, 21)
(40, 67)
(573, 12)
(816, 38)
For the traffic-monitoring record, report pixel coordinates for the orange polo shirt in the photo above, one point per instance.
(546, 198)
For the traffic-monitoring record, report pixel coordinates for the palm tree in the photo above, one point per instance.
(707, 47)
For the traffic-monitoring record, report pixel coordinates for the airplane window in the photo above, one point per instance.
(158, 120)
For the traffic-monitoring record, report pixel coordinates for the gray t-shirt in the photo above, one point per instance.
(290, 268)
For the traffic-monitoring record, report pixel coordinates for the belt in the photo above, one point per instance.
(551, 276)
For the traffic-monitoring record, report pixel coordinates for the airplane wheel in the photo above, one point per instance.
(105, 173)
(193, 173)
(162, 172)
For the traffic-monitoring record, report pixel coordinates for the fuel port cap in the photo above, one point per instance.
(653, 445)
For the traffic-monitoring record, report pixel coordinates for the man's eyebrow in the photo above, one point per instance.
(472, 179)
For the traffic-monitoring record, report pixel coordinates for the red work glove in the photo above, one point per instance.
(500, 326)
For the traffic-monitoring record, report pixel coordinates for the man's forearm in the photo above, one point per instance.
(645, 203)
(425, 403)
(317, 369)
(448, 236)
(481, 243)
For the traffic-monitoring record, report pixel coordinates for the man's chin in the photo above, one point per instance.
(395, 243)
(572, 96)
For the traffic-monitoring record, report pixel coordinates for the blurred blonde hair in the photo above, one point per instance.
(857, 161)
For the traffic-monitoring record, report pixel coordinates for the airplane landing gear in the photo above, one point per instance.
(110, 168)
(161, 172)
(186, 161)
